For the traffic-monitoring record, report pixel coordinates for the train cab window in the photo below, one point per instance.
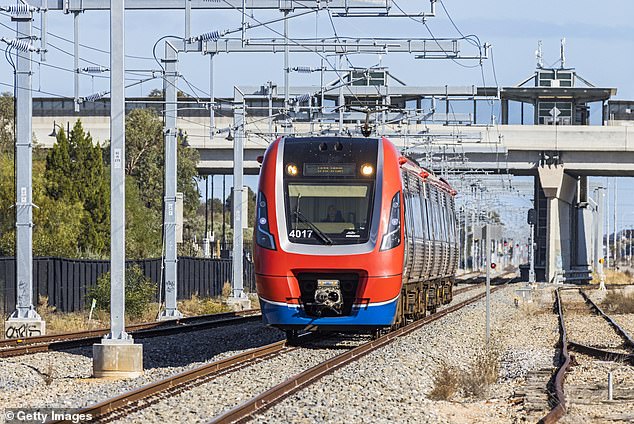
(321, 213)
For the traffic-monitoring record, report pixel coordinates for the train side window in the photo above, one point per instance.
(407, 196)
(425, 209)
(415, 206)
(434, 209)
(445, 216)
(452, 218)
(423, 212)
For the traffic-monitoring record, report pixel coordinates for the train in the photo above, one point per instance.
(350, 236)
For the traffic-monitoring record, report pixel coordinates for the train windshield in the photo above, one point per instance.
(328, 213)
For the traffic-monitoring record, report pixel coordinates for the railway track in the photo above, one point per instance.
(147, 395)
(588, 392)
(279, 392)
(16, 347)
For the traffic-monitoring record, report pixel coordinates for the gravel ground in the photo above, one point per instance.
(393, 383)
(585, 327)
(624, 320)
(23, 380)
(221, 394)
(371, 388)
(213, 398)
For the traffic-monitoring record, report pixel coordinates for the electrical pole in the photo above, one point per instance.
(117, 355)
(238, 298)
(487, 252)
(169, 226)
(607, 225)
(25, 313)
(615, 211)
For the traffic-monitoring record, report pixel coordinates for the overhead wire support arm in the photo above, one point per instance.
(70, 6)
(429, 47)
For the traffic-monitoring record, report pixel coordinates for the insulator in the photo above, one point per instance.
(22, 45)
(303, 69)
(303, 98)
(94, 97)
(210, 36)
(17, 10)
(94, 69)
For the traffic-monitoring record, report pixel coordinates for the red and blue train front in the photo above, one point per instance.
(329, 301)
(328, 251)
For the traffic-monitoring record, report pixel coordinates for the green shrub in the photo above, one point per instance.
(140, 292)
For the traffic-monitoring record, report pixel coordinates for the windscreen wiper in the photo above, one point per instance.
(321, 234)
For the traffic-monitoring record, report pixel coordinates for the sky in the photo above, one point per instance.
(599, 44)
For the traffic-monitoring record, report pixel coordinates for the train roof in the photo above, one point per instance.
(426, 174)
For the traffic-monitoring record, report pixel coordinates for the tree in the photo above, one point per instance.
(145, 162)
(143, 225)
(76, 173)
(57, 223)
(160, 93)
(7, 122)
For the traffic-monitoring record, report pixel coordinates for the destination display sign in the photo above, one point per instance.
(330, 169)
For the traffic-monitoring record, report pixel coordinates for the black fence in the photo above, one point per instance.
(66, 281)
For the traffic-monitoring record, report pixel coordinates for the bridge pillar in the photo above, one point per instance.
(560, 190)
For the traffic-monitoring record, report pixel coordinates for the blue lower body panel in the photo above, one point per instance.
(293, 317)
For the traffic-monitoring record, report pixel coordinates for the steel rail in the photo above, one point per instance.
(559, 409)
(620, 330)
(279, 392)
(178, 382)
(140, 331)
(602, 354)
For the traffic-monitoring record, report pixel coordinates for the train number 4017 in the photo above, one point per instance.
(301, 233)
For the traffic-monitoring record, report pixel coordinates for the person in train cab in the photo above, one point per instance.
(334, 215)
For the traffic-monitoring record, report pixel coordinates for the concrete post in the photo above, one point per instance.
(169, 225)
(24, 321)
(117, 355)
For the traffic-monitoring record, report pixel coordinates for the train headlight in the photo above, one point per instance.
(291, 169)
(392, 236)
(367, 170)
(263, 236)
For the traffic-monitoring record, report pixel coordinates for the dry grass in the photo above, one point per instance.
(446, 382)
(472, 382)
(202, 306)
(226, 290)
(66, 322)
(618, 302)
(613, 277)
(483, 372)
